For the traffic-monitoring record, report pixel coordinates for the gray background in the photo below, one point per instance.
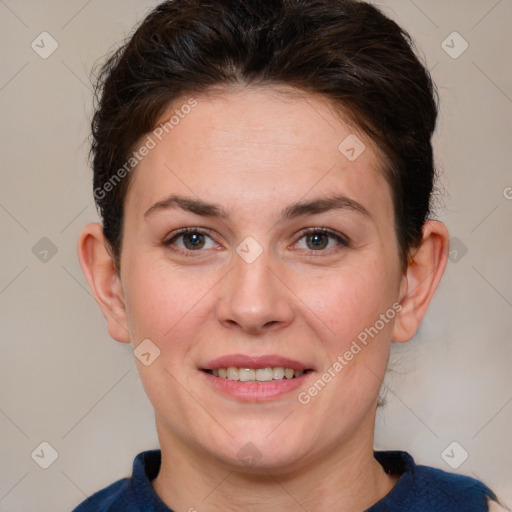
(65, 382)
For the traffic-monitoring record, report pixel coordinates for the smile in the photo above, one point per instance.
(255, 375)
(256, 378)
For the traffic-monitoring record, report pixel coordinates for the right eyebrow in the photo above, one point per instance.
(188, 204)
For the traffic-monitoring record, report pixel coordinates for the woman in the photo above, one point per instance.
(264, 171)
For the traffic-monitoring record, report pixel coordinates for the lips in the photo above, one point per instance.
(255, 378)
(255, 362)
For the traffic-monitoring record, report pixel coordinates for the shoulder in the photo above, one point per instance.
(459, 492)
(443, 480)
(425, 488)
(129, 494)
(114, 498)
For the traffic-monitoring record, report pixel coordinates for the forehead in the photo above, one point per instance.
(258, 146)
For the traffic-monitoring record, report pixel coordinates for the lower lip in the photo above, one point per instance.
(255, 391)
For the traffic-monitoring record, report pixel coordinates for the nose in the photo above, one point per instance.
(254, 297)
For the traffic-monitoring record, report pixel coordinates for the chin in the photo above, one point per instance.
(260, 453)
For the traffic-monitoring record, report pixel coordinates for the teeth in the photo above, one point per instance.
(246, 374)
(264, 374)
(288, 373)
(232, 373)
(278, 373)
(256, 375)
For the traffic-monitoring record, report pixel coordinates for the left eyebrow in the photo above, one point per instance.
(298, 209)
(338, 202)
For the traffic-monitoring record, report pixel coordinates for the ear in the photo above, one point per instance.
(424, 271)
(101, 274)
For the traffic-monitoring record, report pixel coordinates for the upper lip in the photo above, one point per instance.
(256, 361)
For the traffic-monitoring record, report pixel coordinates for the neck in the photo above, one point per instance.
(344, 478)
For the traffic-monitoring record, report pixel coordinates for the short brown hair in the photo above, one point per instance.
(346, 50)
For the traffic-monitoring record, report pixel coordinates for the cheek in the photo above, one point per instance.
(350, 299)
(167, 306)
(357, 307)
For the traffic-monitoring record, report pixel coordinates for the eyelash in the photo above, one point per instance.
(343, 241)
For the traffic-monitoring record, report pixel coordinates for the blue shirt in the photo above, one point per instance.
(419, 489)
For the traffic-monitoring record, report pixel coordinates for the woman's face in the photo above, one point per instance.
(291, 261)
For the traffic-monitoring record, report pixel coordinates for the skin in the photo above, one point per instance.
(254, 152)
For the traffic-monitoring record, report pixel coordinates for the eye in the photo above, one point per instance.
(191, 239)
(320, 239)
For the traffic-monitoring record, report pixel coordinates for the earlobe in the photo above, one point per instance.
(422, 276)
(101, 274)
